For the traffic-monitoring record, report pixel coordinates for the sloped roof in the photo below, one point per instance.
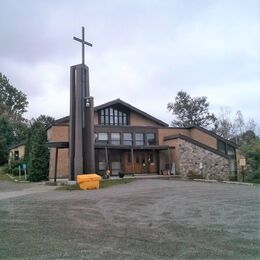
(114, 102)
(23, 142)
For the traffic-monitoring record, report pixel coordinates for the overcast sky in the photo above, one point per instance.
(143, 52)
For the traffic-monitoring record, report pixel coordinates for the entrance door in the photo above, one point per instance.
(115, 161)
(115, 167)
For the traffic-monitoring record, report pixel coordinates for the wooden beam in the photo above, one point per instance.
(132, 160)
(56, 164)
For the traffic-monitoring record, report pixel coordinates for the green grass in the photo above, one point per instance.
(103, 184)
(20, 179)
(3, 176)
(108, 183)
(69, 187)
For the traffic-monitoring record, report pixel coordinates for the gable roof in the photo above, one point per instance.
(138, 111)
(65, 119)
(23, 142)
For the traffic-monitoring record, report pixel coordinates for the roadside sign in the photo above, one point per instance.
(242, 162)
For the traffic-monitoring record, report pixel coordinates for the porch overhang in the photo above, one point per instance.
(59, 145)
(134, 147)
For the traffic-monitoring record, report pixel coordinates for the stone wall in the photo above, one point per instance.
(191, 157)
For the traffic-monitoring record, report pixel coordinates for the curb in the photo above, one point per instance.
(15, 180)
(239, 183)
(228, 182)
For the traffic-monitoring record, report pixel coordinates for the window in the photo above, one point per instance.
(150, 139)
(221, 146)
(115, 116)
(230, 150)
(112, 116)
(127, 139)
(16, 155)
(115, 138)
(102, 138)
(139, 139)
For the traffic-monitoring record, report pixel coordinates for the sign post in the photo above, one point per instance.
(242, 163)
(25, 170)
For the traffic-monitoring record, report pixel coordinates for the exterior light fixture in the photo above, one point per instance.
(87, 104)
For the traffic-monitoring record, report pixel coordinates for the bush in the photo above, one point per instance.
(5, 168)
(252, 154)
(13, 167)
(194, 175)
(15, 171)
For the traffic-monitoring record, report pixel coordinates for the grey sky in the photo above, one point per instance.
(143, 52)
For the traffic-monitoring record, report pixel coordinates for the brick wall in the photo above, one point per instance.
(59, 134)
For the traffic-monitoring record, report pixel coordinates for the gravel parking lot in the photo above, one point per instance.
(146, 219)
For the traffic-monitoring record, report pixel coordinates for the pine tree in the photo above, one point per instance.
(37, 152)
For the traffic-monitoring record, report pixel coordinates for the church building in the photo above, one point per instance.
(131, 141)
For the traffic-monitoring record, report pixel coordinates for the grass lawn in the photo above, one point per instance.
(3, 176)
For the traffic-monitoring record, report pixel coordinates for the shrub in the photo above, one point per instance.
(194, 175)
(5, 168)
(13, 167)
(252, 154)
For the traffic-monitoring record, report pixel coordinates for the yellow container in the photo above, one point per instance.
(88, 181)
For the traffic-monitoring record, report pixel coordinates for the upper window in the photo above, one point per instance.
(139, 139)
(150, 137)
(113, 116)
(102, 138)
(115, 138)
(127, 139)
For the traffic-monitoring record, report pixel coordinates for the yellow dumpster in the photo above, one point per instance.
(88, 181)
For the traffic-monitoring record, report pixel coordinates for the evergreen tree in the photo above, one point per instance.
(37, 153)
(6, 139)
(252, 154)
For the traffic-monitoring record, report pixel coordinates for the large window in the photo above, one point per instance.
(127, 139)
(102, 138)
(112, 116)
(150, 137)
(115, 138)
(139, 139)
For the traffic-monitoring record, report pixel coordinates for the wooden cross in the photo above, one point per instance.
(83, 42)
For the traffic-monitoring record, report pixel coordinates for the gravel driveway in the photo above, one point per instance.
(146, 219)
